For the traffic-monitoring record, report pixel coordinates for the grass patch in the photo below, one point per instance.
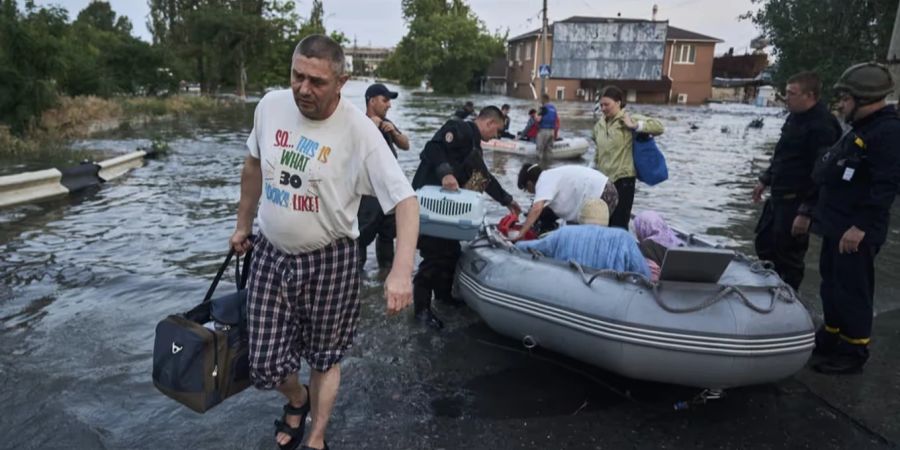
(76, 117)
(178, 104)
(12, 145)
(80, 117)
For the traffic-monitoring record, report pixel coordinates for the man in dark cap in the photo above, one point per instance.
(372, 220)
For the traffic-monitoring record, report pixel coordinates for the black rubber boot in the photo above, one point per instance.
(846, 358)
(826, 342)
(421, 297)
(426, 317)
(422, 306)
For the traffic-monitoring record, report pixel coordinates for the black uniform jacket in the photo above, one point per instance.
(804, 136)
(858, 178)
(456, 150)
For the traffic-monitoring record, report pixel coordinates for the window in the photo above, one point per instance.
(685, 54)
(518, 52)
(560, 93)
(527, 51)
(631, 96)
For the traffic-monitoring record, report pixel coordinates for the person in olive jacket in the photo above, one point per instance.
(613, 134)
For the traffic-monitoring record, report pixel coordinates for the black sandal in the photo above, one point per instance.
(296, 434)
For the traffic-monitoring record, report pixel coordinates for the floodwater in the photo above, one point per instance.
(85, 279)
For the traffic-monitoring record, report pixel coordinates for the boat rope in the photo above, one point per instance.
(781, 292)
(719, 296)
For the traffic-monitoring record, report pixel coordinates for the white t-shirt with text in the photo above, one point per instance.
(315, 171)
(566, 188)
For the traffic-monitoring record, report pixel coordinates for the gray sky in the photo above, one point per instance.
(379, 22)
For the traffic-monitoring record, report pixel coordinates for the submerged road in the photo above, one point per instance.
(85, 279)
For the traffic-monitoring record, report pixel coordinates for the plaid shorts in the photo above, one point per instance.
(304, 305)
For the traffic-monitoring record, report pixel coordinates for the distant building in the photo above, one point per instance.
(738, 78)
(740, 66)
(650, 60)
(367, 59)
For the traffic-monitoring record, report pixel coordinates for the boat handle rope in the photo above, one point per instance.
(778, 292)
(719, 296)
(619, 276)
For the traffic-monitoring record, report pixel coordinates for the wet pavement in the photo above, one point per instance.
(85, 279)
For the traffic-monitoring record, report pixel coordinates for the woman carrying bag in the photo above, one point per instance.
(613, 135)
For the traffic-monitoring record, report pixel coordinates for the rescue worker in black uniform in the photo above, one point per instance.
(453, 159)
(858, 179)
(808, 131)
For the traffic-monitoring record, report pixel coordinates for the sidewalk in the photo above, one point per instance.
(873, 397)
(475, 389)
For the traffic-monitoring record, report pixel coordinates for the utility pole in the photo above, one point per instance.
(893, 57)
(544, 47)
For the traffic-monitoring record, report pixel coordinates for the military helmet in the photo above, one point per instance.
(866, 81)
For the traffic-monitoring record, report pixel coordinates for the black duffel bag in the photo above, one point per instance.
(201, 357)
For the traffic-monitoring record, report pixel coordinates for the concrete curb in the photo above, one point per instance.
(42, 184)
(30, 186)
(120, 165)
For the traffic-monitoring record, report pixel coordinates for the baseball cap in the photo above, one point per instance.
(379, 89)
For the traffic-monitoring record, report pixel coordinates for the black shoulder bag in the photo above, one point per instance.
(200, 357)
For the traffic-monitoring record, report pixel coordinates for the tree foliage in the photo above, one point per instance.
(826, 36)
(222, 44)
(233, 43)
(42, 55)
(446, 44)
(30, 54)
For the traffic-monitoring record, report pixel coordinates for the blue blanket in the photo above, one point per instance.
(592, 246)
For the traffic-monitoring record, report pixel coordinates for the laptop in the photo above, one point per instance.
(695, 264)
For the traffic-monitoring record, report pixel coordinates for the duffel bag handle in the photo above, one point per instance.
(240, 281)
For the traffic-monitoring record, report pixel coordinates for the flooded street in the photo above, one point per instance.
(85, 279)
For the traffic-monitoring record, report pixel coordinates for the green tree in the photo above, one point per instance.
(31, 54)
(446, 43)
(274, 64)
(224, 38)
(103, 58)
(339, 37)
(232, 42)
(826, 36)
(98, 14)
(316, 22)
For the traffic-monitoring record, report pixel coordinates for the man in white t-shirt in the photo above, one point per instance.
(313, 155)
(563, 192)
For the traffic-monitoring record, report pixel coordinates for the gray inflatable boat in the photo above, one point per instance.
(747, 328)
